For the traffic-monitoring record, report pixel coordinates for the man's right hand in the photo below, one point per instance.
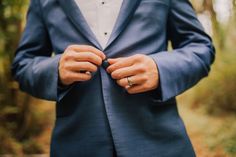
(77, 58)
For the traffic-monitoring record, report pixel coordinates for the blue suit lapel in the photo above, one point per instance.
(73, 12)
(127, 9)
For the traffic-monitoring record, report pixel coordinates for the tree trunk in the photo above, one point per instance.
(217, 31)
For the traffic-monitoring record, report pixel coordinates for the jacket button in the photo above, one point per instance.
(105, 64)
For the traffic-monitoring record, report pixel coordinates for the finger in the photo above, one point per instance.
(125, 72)
(82, 66)
(121, 63)
(114, 60)
(136, 80)
(87, 48)
(71, 77)
(136, 57)
(80, 76)
(88, 57)
(136, 89)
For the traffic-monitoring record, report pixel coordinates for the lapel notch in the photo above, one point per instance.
(73, 12)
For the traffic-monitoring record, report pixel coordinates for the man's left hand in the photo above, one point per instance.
(137, 74)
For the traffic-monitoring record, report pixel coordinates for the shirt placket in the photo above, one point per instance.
(103, 24)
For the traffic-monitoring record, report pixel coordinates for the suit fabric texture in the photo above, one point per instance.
(95, 117)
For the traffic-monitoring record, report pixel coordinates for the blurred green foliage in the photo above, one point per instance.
(20, 122)
(217, 93)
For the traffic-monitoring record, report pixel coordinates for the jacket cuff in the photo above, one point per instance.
(62, 90)
(166, 89)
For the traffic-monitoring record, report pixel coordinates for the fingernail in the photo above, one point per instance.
(104, 57)
(88, 73)
(127, 87)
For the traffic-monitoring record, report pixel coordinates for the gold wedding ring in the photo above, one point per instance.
(130, 83)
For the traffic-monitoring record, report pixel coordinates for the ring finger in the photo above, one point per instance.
(135, 80)
(82, 66)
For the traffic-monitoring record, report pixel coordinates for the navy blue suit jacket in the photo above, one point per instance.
(94, 117)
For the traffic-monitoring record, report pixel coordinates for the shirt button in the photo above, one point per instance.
(103, 2)
(105, 33)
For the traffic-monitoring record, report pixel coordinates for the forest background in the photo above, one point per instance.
(208, 110)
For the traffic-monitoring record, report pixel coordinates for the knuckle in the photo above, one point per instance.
(83, 65)
(93, 58)
(122, 64)
(65, 66)
(68, 56)
(61, 70)
(99, 61)
(90, 47)
(70, 47)
(65, 76)
(118, 75)
(63, 57)
(112, 68)
(115, 75)
(141, 68)
(145, 78)
(86, 64)
(61, 64)
(138, 57)
(146, 86)
(94, 68)
(89, 57)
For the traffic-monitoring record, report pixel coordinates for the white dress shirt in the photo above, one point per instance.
(101, 16)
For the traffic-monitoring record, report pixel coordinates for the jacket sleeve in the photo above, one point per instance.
(34, 67)
(192, 53)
